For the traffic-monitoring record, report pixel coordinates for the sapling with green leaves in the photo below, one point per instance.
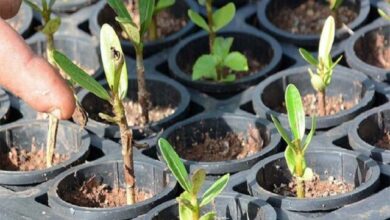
(116, 75)
(135, 24)
(49, 27)
(324, 64)
(296, 145)
(221, 64)
(190, 204)
(160, 5)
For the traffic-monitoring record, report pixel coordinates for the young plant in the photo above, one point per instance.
(50, 26)
(160, 5)
(135, 24)
(335, 4)
(323, 76)
(116, 75)
(296, 147)
(189, 203)
(221, 64)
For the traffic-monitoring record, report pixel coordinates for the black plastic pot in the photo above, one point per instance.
(71, 139)
(150, 176)
(267, 7)
(5, 105)
(367, 129)
(184, 55)
(269, 94)
(350, 167)
(362, 39)
(79, 49)
(22, 21)
(69, 6)
(163, 92)
(191, 131)
(227, 205)
(104, 14)
(237, 3)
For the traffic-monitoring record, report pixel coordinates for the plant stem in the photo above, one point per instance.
(51, 139)
(212, 34)
(321, 103)
(299, 173)
(143, 95)
(194, 202)
(127, 150)
(152, 33)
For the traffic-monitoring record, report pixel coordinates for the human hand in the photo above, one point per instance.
(27, 75)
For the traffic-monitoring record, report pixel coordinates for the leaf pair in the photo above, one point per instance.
(220, 18)
(188, 200)
(113, 63)
(45, 5)
(296, 118)
(52, 25)
(321, 80)
(208, 66)
(145, 11)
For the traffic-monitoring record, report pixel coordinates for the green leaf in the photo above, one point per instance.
(221, 47)
(163, 4)
(33, 5)
(175, 164)
(44, 5)
(198, 20)
(295, 112)
(311, 134)
(202, 2)
(337, 62)
(327, 38)
(289, 155)
(317, 83)
(113, 61)
(130, 29)
(79, 76)
(197, 180)
(184, 209)
(229, 78)
(209, 216)
(281, 130)
(120, 9)
(205, 67)
(146, 9)
(52, 26)
(335, 4)
(236, 62)
(223, 16)
(214, 190)
(306, 55)
(308, 174)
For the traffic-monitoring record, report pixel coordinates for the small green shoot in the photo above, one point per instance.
(324, 64)
(189, 203)
(335, 4)
(296, 147)
(116, 75)
(135, 24)
(221, 64)
(160, 6)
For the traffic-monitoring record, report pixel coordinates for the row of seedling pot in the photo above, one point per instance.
(209, 146)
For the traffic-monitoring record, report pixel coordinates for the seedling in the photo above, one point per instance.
(50, 26)
(189, 204)
(220, 64)
(116, 75)
(135, 24)
(296, 147)
(335, 4)
(323, 76)
(160, 5)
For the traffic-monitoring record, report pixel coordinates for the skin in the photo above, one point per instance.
(27, 75)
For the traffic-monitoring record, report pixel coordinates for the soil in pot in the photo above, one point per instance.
(307, 16)
(94, 194)
(384, 142)
(315, 188)
(374, 49)
(23, 160)
(231, 146)
(168, 21)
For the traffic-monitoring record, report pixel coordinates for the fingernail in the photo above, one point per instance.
(56, 112)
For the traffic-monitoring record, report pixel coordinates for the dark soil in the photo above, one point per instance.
(254, 65)
(375, 50)
(93, 194)
(384, 142)
(156, 113)
(334, 104)
(309, 17)
(23, 160)
(232, 146)
(316, 188)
